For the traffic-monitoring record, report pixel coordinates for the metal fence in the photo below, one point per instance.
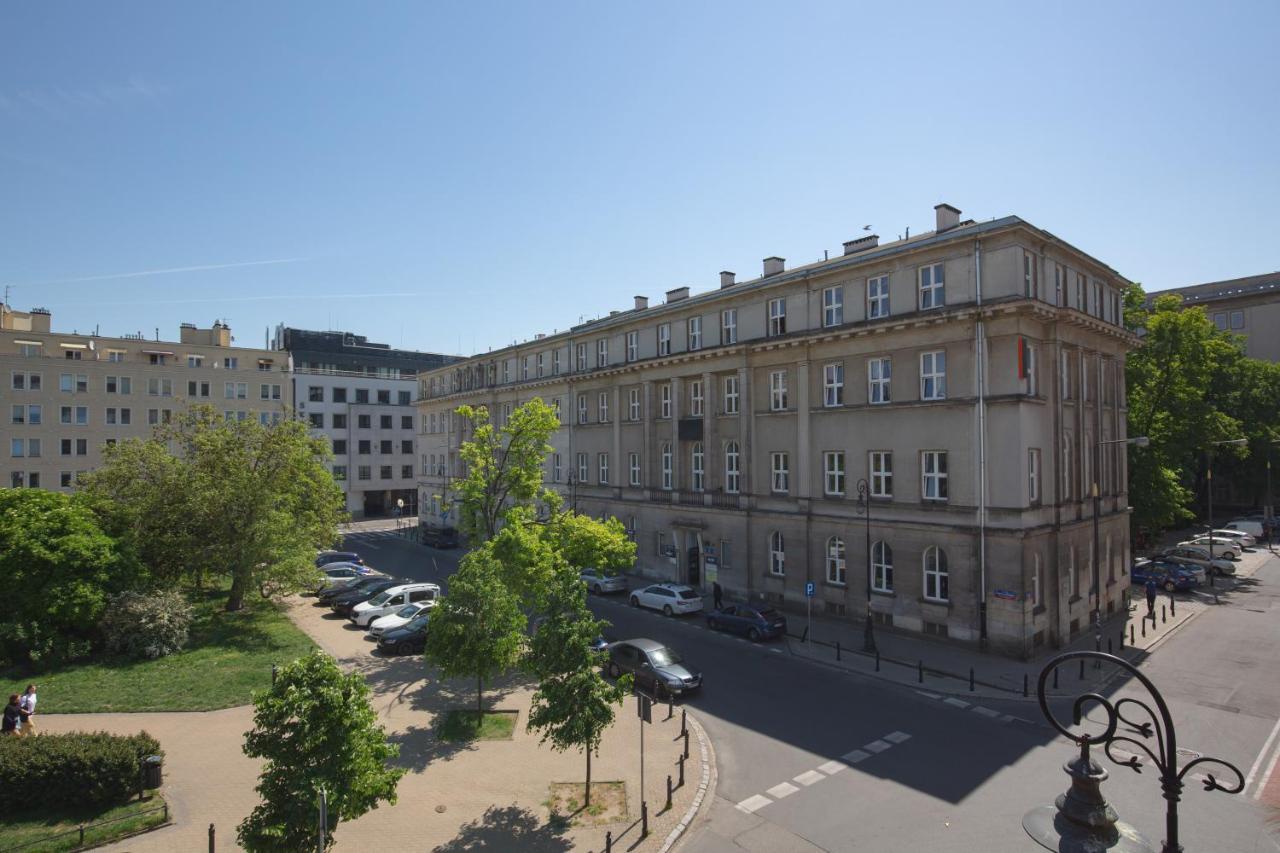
(85, 827)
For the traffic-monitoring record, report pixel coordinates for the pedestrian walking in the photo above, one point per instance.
(717, 595)
(27, 710)
(1151, 598)
(12, 716)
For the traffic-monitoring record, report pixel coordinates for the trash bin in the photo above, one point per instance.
(152, 771)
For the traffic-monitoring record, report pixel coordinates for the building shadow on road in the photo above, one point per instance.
(508, 828)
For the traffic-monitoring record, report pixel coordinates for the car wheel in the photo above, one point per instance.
(614, 670)
(666, 610)
(1170, 586)
(404, 647)
(753, 635)
(596, 589)
(635, 602)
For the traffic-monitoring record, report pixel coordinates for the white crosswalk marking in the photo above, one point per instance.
(986, 712)
(831, 768)
(876, 746)
(809, 777)
(958, 703)
(897, 737)
(753, 804)
(855, 756)
(784, 789)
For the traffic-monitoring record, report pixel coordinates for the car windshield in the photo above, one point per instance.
(379, 599)
(687, 594)
(419, 621)
(408, 610)
(664, 657)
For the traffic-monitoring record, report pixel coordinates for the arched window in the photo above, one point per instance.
(935, 574)
(666, 466)
(732, 469)
(835, 560)
(698, 468)
(777, 554)
(882, 567)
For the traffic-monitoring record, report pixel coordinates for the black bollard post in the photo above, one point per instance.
(970, 679)
(644, 819)
(1131, 635)
(681, 763)
(210, 838)
(837, 650)
(920, 671)
(1144, 627)
(608, 842)
(684, 722)
(1082, 669)
(1173, 609)
(686, 744)
(1164, 615)
(668, 792)
(1024, 685)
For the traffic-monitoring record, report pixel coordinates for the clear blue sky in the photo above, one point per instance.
(453, 176)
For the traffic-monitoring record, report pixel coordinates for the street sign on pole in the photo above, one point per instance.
(644, 708)
(809, 588)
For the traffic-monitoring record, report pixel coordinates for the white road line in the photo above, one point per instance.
(809, 777)
(897, 737)
(928, 695)
(1261, 755)
(831, 768)
(986, 712)
(876, 746)
(855, 756)
(1007, 718)
(1266, 777)
(958, 703)
(751, 805)
(784, 789)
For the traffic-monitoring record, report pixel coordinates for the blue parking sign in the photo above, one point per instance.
(809, 589)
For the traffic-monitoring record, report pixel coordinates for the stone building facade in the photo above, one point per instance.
(970, 378)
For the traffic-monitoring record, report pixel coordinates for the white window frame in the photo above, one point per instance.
(779, 472)
(584, 468)
(933, 375)
(729, 326)
(777, 314)
(581, 353)
(664, 339)
(602, 468)
(665, 455)
(879, 380)
(1030, 385)
(540, 367)
(833, 473)
(664, 401)
(777, 554)
(602, 352)
(694, 330)
(1033, 475)
(557, 467)
(732, 395)
(877, 297)
(633, 346)
(934, 474)
(732, 468)
(698, 467)
(582, 408)
(602, 407)
(937, 574)
(555, 362)
(1067, 470)
(778, 391)
(633, 404)
(833, 385)
(833, 306)
(633, 465)
(837, 571)
(880, 467)
(932, 282)
(881, 567)
(1030, 277)
(697, 400)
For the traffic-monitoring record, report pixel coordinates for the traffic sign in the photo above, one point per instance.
(809, 589)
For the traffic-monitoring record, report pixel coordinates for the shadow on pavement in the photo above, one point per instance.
(507, 828)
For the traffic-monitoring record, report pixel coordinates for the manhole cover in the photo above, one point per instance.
(440, 809)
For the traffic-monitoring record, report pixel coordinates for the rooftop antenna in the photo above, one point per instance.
(908, 232)
(824, 255)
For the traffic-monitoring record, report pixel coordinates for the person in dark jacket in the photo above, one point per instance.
(1151, 598)
(717, 595)
(12, 716)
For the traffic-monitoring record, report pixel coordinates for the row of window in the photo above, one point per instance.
(936, 575)
(365, 472)
(75, 352)
(338, 420)
(157, 386)
(386, 447)
(315, 394)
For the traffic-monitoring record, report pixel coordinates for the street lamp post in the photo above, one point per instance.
(1270, 515)
(864, 509)
(1137, 441)
(1208, 482)
(573, 492)
(1082, 821)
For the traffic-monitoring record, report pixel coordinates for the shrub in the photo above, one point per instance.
(71, 770)
(146, 626)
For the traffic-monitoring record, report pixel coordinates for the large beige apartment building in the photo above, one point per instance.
(67, 395)
(969, 378)
(1243, 306)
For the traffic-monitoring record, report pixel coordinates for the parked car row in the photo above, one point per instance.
(394, 610)
(1170, 576)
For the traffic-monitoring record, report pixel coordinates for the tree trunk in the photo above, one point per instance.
(586, 799)
(479, 699)
(239, 586)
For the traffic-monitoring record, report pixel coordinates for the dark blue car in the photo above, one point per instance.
(1168, 576)
(756, 623)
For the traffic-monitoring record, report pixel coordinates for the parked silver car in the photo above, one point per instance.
(599, 582)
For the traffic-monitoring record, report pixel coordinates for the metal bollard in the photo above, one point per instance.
(1144, 627)
(210, 838)
(608, 842)
(1173, 610)
(681, 763)
(837, 650)
(920, 672)
(668, 792)
(1082, 669)
(1024, 685)
(684, 722)
(686, 744)
(644, 819)
(970, 679)
(1131, 635)
(1164, 615)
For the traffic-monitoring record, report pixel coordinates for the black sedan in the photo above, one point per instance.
(361, 592)
(410, 638)
(755, 623)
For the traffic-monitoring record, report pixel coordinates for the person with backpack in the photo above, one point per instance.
(12, 717)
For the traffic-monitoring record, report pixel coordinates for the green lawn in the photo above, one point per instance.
(460, 725)
(228, 656)
(32, 827)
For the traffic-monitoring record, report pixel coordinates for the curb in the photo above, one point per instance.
(705, 786)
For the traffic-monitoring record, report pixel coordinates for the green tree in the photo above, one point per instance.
(316, 729)
(236, 498)
(59, 568)
(504, 466)
(477, 630)
(573, 704)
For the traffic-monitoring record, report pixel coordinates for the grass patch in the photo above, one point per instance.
(228, 656)
(465, 725)
(608, 803)
(30, 828)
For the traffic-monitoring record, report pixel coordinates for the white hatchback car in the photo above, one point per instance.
(401, 617)
(1222, 546)
(670, 598)
(1242, 538)
(391, 600)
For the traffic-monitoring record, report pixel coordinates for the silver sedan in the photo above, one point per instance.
(601, 583)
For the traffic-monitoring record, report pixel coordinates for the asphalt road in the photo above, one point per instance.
(811, 758)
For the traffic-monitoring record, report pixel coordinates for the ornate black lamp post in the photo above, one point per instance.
(864, 509)
(1081, 820)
